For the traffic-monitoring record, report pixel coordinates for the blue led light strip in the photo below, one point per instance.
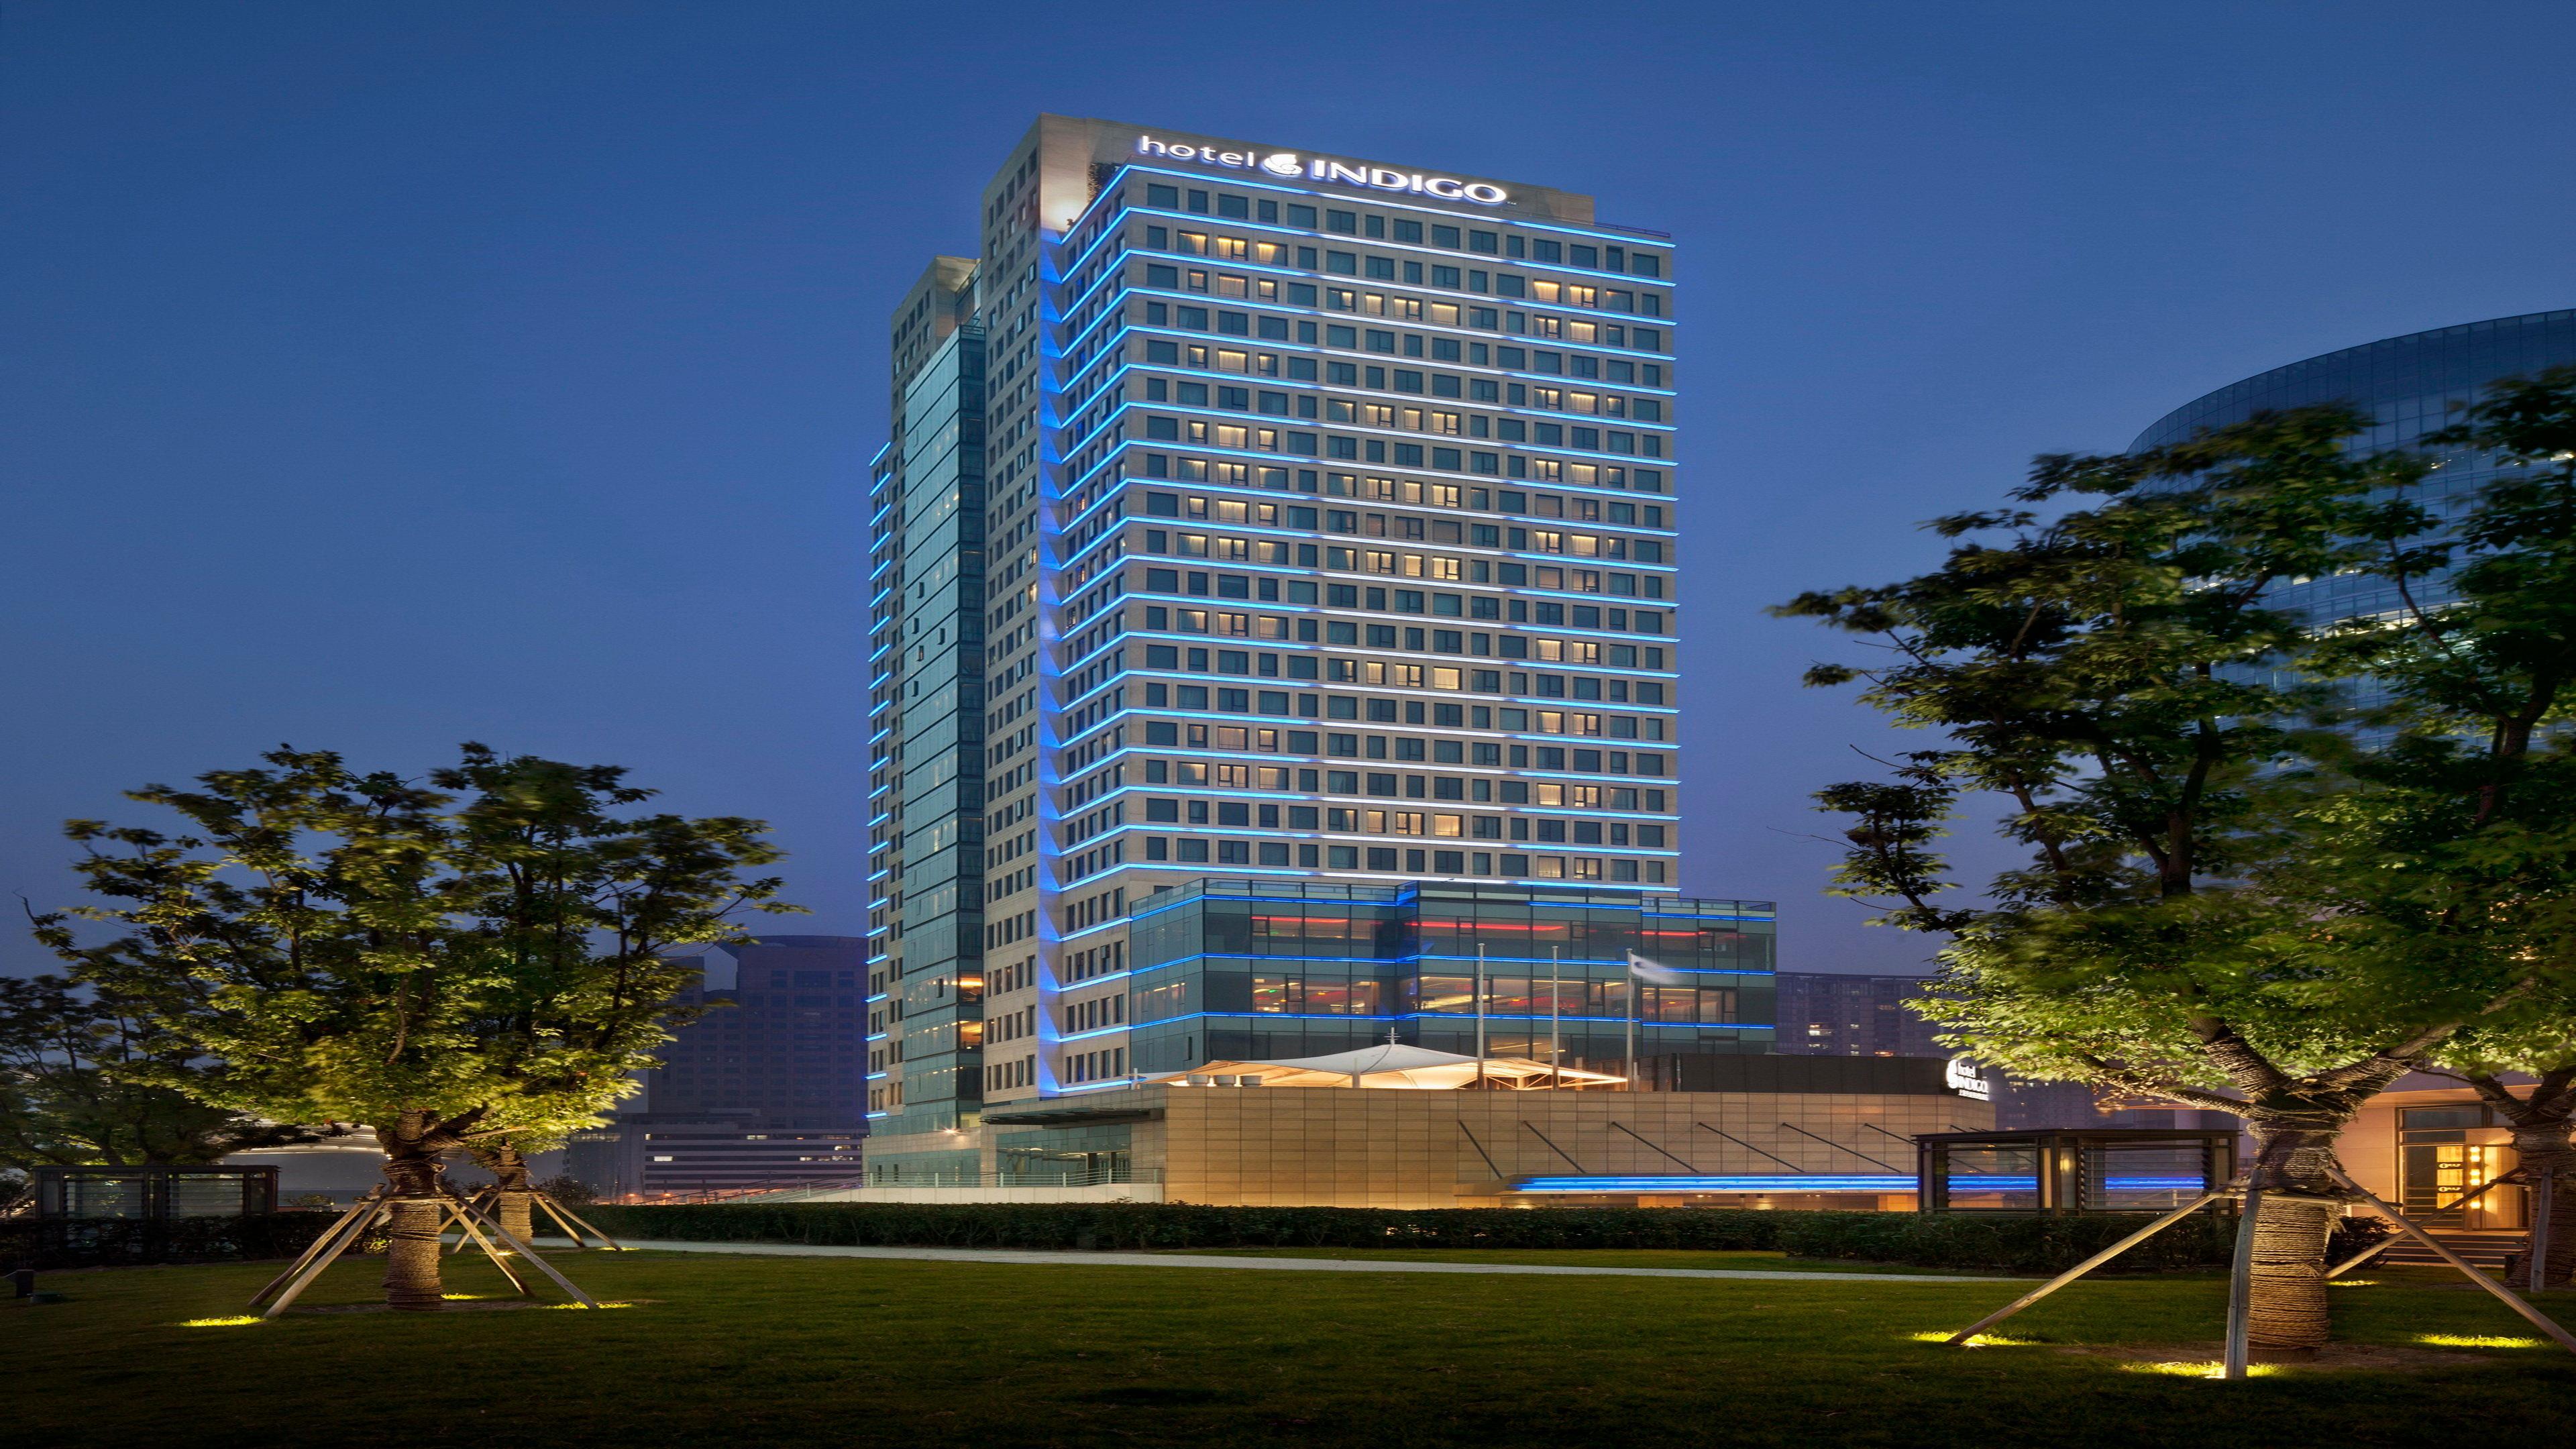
(1755, 1182)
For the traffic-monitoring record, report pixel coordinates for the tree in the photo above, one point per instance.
(70, 1093)
(563, 1187)
(2119, 674)
(2463, 841)
(506, 1158)
(453, 963)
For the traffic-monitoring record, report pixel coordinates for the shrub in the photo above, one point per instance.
(51, 1243)
(563, 1187)
(1184, 1225)
(1932, 1240)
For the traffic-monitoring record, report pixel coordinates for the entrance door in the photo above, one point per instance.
(2446, 1153)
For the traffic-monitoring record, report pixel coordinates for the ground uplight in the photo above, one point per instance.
(2201, 1369)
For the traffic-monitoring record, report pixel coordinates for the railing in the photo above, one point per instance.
(807, 1189)
(789, 1190)
(1063, 1177)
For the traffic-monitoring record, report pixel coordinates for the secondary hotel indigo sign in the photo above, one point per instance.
(1288, 164)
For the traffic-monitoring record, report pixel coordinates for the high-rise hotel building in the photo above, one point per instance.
(1259, 514)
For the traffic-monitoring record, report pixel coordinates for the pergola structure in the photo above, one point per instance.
(1391, 1065)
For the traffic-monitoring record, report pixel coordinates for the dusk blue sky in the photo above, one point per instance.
(376, 377)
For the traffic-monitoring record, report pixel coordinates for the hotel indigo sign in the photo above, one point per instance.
(1290, 165)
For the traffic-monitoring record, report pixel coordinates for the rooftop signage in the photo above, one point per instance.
(1964, 1076)
(1289, 165)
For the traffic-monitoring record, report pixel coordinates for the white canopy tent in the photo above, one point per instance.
(1389, 1065)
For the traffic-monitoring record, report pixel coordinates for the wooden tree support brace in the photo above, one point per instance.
(2240, 1286)
(579, 1240)
(321, 1262)
(2088, 1265)
(2504, 1295)
(464, 1240)
(319, 1244)
(458, 1211)
(530, 1254)
(573, 1221)
(2393, 1239)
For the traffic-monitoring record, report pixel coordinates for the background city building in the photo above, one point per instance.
(768, 1086)
(1829, 1015)
(1259, 514)
(2408, 386)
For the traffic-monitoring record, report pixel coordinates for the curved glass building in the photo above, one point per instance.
(2410, 386)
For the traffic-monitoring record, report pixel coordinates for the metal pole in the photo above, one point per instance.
(2080, 1269)
(1480, 1018)
(1555, 980)
(2538, 1277)
(2240, 1285)
(2538, 1319)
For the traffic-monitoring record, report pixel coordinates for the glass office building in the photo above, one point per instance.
(2409, 386)
(1258, 514)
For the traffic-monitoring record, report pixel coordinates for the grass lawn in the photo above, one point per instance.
(732, 1351)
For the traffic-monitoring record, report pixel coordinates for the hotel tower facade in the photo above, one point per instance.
(1288, 519)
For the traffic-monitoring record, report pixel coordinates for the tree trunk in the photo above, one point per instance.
(412, 1170)
(2540, 1121)
(2543, 1147)
(510, 1174)
(2287, 1297)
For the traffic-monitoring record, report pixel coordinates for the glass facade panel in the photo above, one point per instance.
(2408, 386)
(1553, 971)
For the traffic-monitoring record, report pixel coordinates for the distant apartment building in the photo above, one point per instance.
(767, 1087)
(1833, 1015)
(1822, 1014)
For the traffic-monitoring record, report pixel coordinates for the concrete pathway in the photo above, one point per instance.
(1275, 1265)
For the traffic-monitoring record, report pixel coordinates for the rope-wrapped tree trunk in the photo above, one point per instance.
(2294, 1133)
(412, 1170)
(514, 1189)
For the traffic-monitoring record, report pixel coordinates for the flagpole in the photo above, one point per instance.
(1555, 976)
(1631, 1022)
(1480, 1018)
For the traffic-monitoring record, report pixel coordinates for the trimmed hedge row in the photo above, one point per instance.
(2017, 1244)
(2035, 1244)
(51, 1243)
(1182, 1225)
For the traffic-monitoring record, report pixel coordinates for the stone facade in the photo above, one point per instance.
(1322, 1146)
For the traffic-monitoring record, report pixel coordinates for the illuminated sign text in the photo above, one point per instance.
(1289, 165)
